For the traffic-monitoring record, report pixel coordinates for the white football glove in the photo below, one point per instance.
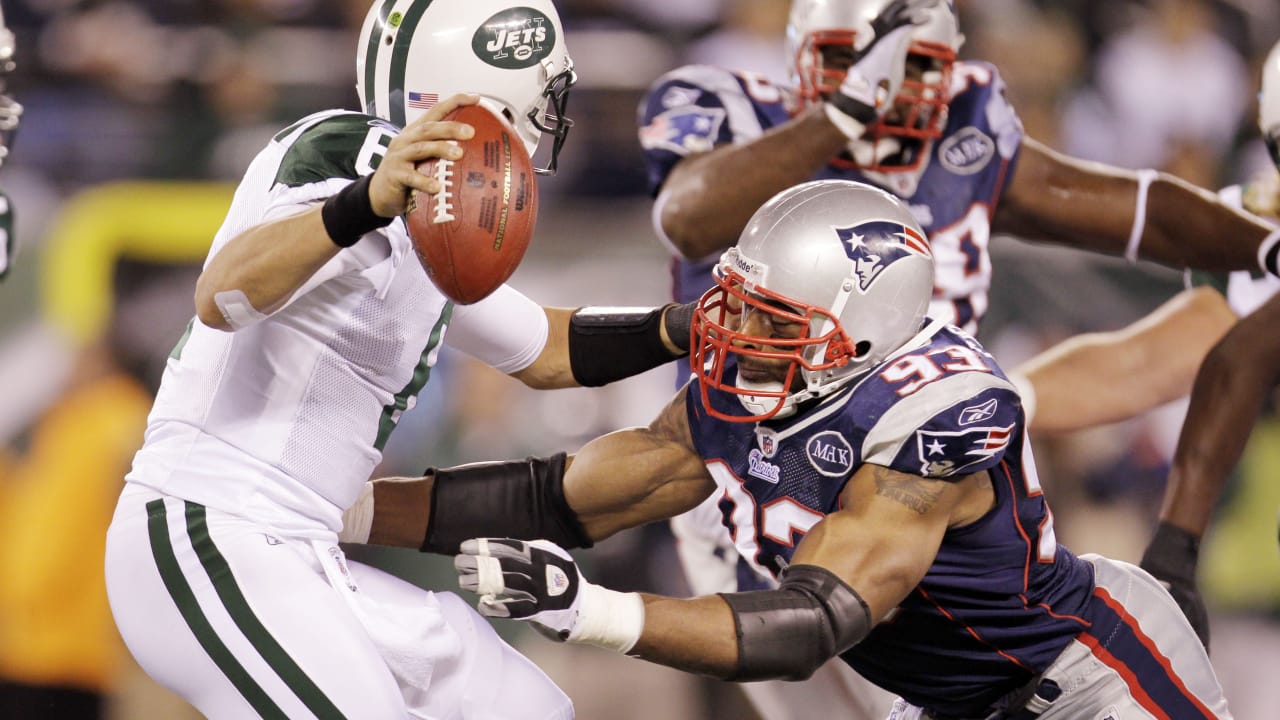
(537, 581)
(876, 76)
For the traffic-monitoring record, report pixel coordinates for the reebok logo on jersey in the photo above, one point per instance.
(829, 453)
(515, 38)
(761, 468)
(967, 152)
(978, 413)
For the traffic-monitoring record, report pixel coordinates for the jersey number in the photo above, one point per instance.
(780, 520)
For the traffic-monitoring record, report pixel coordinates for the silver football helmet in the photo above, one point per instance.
(414, 53)
(828, 279)
(10, 110)
(823, 38)
(1269, 103)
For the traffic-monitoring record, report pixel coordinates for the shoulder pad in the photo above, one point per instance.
(332, 146)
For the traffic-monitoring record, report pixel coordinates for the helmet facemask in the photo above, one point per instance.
(550, 115)
(898, 142)
(729, 327)
(10, 109)
(827, 280)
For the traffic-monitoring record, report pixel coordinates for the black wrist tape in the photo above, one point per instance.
(349, 214)
(609, 344)
(522, 499)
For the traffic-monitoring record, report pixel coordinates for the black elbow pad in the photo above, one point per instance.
(790, 632)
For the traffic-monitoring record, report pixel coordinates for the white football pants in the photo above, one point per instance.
(243, 622)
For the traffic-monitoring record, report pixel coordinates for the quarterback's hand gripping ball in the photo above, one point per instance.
(472, 234)
(534, 580)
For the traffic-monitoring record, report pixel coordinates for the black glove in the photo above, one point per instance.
(1171, 558)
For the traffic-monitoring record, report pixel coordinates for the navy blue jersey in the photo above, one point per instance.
(1002, 598)
(696, 108)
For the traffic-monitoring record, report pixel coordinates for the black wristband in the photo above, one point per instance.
(349, 214)
(609, 344)
(521, 499)
(678, 321)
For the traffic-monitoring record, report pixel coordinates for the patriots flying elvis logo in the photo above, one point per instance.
(874, 246)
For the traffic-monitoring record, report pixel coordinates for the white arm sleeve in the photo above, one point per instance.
(506, 330)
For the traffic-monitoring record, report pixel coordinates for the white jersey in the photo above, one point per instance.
(282, 421)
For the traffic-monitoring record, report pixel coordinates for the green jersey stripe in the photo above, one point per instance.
(400, 61)
(371, 57)
(421, 374)
(185, 600)
(238, 607)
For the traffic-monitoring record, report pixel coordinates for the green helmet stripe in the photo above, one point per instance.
(400, 61)
(371, 57)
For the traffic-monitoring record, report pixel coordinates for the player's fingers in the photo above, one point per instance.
(448, 105)
(442, 130)
(489, 606)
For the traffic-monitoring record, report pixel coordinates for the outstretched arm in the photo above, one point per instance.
(1105, 377)
(620, 480)
(709, 197)
(1092, 206)
(849, 571)
(1229, 390)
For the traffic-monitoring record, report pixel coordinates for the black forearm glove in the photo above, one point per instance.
(1171, 558)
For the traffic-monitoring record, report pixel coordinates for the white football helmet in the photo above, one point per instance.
(1269, 103)
(414, 53)
(10, 110)
(844, 264)
(823, 38)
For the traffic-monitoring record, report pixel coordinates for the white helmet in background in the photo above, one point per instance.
(844, 262)
(1269, 103)
(10, 110)
(823, 38)
(414, 53)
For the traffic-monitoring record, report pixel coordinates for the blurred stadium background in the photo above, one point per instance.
(141, 113)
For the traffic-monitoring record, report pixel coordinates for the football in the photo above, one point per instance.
(471, 235)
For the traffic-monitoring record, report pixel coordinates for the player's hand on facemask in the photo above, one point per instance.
(425, 138)
(537, 581)
(879, 67)
(1172, 558)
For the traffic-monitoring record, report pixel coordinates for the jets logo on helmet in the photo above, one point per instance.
(515, 38)
(413, 51)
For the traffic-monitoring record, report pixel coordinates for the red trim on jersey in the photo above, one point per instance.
(995, 190)
(973, 633)
(1017, 522)
(1051, 613)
